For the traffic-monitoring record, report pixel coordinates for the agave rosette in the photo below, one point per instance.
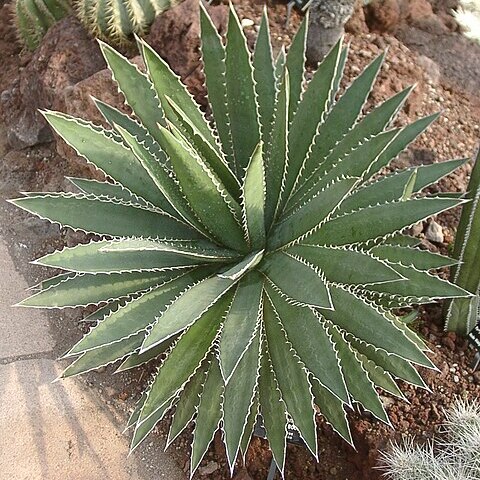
(253, 254)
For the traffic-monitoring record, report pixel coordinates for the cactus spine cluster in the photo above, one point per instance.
(117, 20)
(454, 456)
(35, 17)
(463, 314)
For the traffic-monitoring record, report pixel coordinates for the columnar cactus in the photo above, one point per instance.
(464, 313)
(117, 20)
(34, 17)
(257, 257)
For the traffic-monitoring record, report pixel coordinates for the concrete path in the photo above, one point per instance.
(55, 431)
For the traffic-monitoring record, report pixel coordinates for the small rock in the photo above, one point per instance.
(476, 376)
(456, 378)
(209, 468)
(448, 342)
(434, 232)
(246, 22)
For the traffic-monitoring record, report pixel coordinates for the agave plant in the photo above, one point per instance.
(117, 20)
(254, 255)
(34, 17)
(462, 314)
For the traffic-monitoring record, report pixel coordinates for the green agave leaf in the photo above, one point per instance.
(247, 264)
(295, 63)
(276, 159)
(309, 216)
(304, 284)
(240, 323)
(200, 250)
(195, 140)
(377, 221)
(280, 66)
(85, 289)
(407, 135)
(184, 359)
(419, 259)
(113, 191)
(292, 378)
(215, 208)
(369, 126)
(391, 187)
(104, 217)
(380, 377)
(422, 286)
(347, 266)
(366, 322)
(401, 240)
(208, 416)
(95, 257)
(254, 199)
(249, 425)
(136, 359)
(353, 164)
(104, 150)
(188, 308)
(163, 179)
(311, 112)
(359, 385)
(238, 398)
(102, 312)
(167, 84)
(187, 404)
(137, 89)
(144, 428)
(103, 356)
(272, 409)
(213, 55)
(136, 315)
(341, 118)
(242, 108)
(136, 412)
(331, 407)
(394, 364)
(312, 344)
(264, 76)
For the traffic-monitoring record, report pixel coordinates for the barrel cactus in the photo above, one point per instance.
(34, 17)
(117, 20)
(254, 256)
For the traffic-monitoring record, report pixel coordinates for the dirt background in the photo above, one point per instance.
(425, 47)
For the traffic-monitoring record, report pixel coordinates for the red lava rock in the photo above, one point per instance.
(175, 36)
(383, 15)
(357, 22)
(66, 56)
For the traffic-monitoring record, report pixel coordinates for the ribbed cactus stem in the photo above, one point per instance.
(34, 17)
(463, 313)
(117, 20)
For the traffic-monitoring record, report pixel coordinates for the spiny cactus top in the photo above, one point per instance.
(254, 255)
(117, 20)
(34, 17)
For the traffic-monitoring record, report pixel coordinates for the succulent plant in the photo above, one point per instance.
(467, 14)
(255, 256)
(464, 313)
(34, 17)
(454, 455)
(117, 20)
